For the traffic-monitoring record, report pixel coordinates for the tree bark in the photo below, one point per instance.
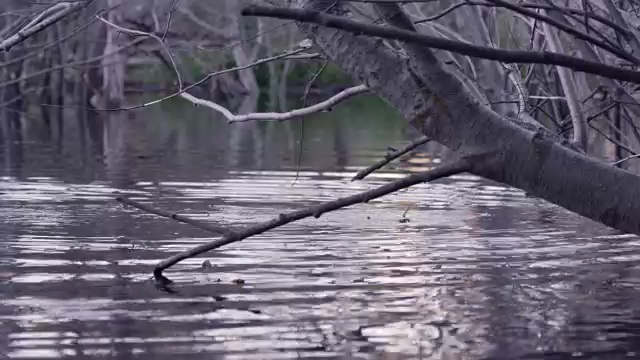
(436, 102)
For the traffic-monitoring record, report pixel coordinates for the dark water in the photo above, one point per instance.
(479, 272)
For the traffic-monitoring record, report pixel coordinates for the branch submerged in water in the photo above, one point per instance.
(234, 235)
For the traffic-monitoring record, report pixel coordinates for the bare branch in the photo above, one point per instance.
(325, 105)
(459, 166)
(625, 159)
(221, 230)
(42, 21)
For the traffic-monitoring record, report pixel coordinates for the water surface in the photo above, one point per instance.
(472, 270)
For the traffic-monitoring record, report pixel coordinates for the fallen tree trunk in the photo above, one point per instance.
(517, 152)
(437, 103)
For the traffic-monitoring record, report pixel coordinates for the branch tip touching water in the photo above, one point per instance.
(230, 236)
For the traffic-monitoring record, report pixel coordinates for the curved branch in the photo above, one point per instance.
(274, 116)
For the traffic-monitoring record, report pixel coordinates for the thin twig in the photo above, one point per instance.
(389, 158)
(625, 159)
(166, 29)
(305, 95)
(221, 230)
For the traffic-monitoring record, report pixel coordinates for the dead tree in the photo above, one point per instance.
(406, 72)
(579, 64)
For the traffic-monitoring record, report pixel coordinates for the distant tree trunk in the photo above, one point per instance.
(282, 86)
(236, 32)
(284, 77)
(273, 67)
(12, 98)
(245, 144)
(114, 65)
(616, 132)
(11, 112)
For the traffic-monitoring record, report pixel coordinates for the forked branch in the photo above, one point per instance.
(234, 235)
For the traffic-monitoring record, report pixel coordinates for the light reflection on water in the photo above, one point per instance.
(480, 271)
(357, 281)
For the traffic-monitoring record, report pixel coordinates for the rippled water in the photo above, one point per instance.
(478, 271)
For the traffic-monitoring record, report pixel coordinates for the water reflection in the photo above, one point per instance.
(480, 271)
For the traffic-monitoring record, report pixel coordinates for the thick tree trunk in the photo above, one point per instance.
(437, 103)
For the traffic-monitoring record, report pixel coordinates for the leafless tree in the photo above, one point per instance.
(539, 95)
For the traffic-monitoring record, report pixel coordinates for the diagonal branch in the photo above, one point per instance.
(221, 230)
(230, 236)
